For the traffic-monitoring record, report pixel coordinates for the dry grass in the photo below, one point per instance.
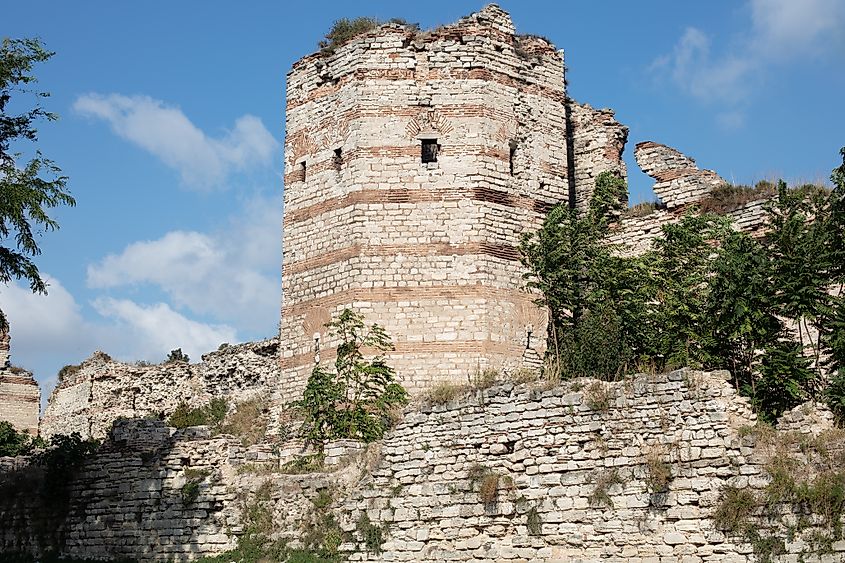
(658, 470)
(643, 209)
(597, 396)
(604, 481)
(489, 488)
(443, 393)
(727, 197)
(248, 422)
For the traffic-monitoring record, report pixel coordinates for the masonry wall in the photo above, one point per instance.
(429, 251)
(551, 448)
(20, 397)
(99, 390)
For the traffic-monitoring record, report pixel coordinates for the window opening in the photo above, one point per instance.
(302, 170)
(512, 155)
(337, 159)
(430, 148)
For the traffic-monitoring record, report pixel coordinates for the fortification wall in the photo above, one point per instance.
(680, 185)
(427, 249)
(598, 141)
(583, 471)
(89, 398)
(20, 397)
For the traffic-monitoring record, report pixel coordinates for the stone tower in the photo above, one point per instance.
(20, 397)
(414, 161)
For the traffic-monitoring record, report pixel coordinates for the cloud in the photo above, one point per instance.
(164, 131)
(156, 329)
(232, 274)
(781, 31)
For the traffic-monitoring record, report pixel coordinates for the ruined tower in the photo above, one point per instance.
(414, 161)
(20, 397)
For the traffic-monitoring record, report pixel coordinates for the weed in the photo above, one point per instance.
(604, 481)
(211, 414)
(372, 535)
(488, 491)
(598, 396)
(734, 509)
(727, 197)
(248, 422)
(323, 499)
(643, 209)
(304, 464)
(443, 393)
(190, 492)
(524, 375)
(484, 379)
(658, 471)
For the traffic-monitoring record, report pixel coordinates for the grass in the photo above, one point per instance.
(210, 414)
(372, 535)
(443, 393)
(605, 480)
(304, 464)
(643, 209)
(728, 197)
(734, 509)
(248, 422)
(597, 396)
(658, 471)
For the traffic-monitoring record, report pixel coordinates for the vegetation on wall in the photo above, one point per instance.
(704, 295)
(345, 29)
(14, 443)
(357, 400)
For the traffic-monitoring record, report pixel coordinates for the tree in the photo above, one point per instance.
(356, 400)
(177, 356)
(27, 189)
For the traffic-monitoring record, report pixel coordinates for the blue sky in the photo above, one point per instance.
(172, 119)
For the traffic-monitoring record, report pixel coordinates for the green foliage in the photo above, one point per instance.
(28, 188)
(734, 509)
(190, 492)
(356, 401)
(62, 457)
(344, 30)
(304, 464)
(785, 376)
(211, 414)
(605, 480)
(835, 396)
(703, 295)
(13, 443)
(372, 535)
(177, 356)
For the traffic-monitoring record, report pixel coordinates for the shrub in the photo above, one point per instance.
(211, 414)
(372, 535)
(68, 371)
(344, 30)
(488, 491)
(733, 510)
(359, 399)
(190, 492)
(13, 443)
(176, 356)
(727, 197)
(484, 379)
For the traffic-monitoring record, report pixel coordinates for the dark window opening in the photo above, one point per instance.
(302, 170)
(337, 159)
(512, 155)
(430, 148)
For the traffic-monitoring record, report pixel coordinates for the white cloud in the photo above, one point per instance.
(781, 31)
(156, 329)
(164, 131)
(232, 274)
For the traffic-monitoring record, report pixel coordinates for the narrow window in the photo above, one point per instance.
(430, 148)
(337, 159)
(302, 170)
(512, 155)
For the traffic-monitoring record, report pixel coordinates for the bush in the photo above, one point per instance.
(727, 197)
(211, 414)
(443, 393)
(177, 356)
(68, 371)
(344, 30)
(13, 443)
(734, 508)
(358, 400)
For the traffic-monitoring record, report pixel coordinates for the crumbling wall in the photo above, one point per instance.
(598, 141)
(89, 398)
(581, 471)
(20, 396)
(586, 471)
(680, 184)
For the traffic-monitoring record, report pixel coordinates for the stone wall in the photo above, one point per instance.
(20, 397)
(582, 471)
(680, 184)
(92, 395)
(428, 249)
(598, 141)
